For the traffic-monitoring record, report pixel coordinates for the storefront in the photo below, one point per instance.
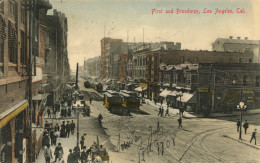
(12, 133)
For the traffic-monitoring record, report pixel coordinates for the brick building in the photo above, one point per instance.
(230, 84)
(57, 63)
(15, 135)
(103, 59)
(155, 59)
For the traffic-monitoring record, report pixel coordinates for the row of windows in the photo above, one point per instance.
(195, 60)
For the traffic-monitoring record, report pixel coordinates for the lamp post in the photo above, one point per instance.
(240, 107)
(180, 94)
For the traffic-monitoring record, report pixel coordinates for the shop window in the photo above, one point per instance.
(244, 80)
(257, 81)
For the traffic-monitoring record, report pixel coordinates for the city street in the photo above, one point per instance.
(151, 138)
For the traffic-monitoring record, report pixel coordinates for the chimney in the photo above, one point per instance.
(238, 38)
(246, 38)
(230, 37)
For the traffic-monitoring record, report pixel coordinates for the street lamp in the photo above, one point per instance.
(240, 107)
(180, 94)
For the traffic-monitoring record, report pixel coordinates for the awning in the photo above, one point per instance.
(11, 113)
(173, 93)
(187, 98)
(164, 93)
(40, 96)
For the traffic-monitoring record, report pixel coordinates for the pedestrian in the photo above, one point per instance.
(72, 127)
(180, 122)
(90, 100)
(161, 101)
(55, 138)
(47, 153)
(62, 112)
(167, 112)
(69, 112)
(65, 112)
(246, 126)
(58, 152)
(253, 136)
(47, 126)
(52, 136)
(76, 151)
(83, 156)
(100, 118)
(63, 130)
(82, 142)
(57, 127)
(160, 111)
(68, 129)
(49, 113)
(71, 157)
(238, 125)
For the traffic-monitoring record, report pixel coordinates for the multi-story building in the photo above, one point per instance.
(238, 45)
(92, 67)
(103, 59)
(215, 87)
(154, 59)
(19, 142)
(57, 63)
(139, 55)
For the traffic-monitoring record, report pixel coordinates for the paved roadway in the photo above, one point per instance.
(200, 140)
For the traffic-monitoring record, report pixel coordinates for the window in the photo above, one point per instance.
(182, 59)
(257, 81)
(2, 7)
(244, 80)
(12, 43)
(23, 55)
(234, 79)
(195, 60)
(22, 15)
(2, 39)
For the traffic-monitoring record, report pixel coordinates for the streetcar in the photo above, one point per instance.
(130, 100)
(112, 101)
(98, 87)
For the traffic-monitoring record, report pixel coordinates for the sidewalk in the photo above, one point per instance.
(246, 138)
(66, 143)
(175, 111)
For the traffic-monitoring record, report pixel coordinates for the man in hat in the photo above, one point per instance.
(58, 152)
(83, 156)
(253, 136)
(68, 129)
(71, 157)
(72, 127)
(48, 154)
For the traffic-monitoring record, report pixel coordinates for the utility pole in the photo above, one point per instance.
(77, 72)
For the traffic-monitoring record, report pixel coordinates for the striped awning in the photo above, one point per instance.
(12, 112)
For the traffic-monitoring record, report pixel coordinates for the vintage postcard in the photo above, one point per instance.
(129, 81)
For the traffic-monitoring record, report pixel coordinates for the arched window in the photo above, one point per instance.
(245, 80)
(234, 79)
(257, 81)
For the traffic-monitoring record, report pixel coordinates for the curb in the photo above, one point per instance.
(253, 146)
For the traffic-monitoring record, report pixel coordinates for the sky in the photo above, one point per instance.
(90, 20)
